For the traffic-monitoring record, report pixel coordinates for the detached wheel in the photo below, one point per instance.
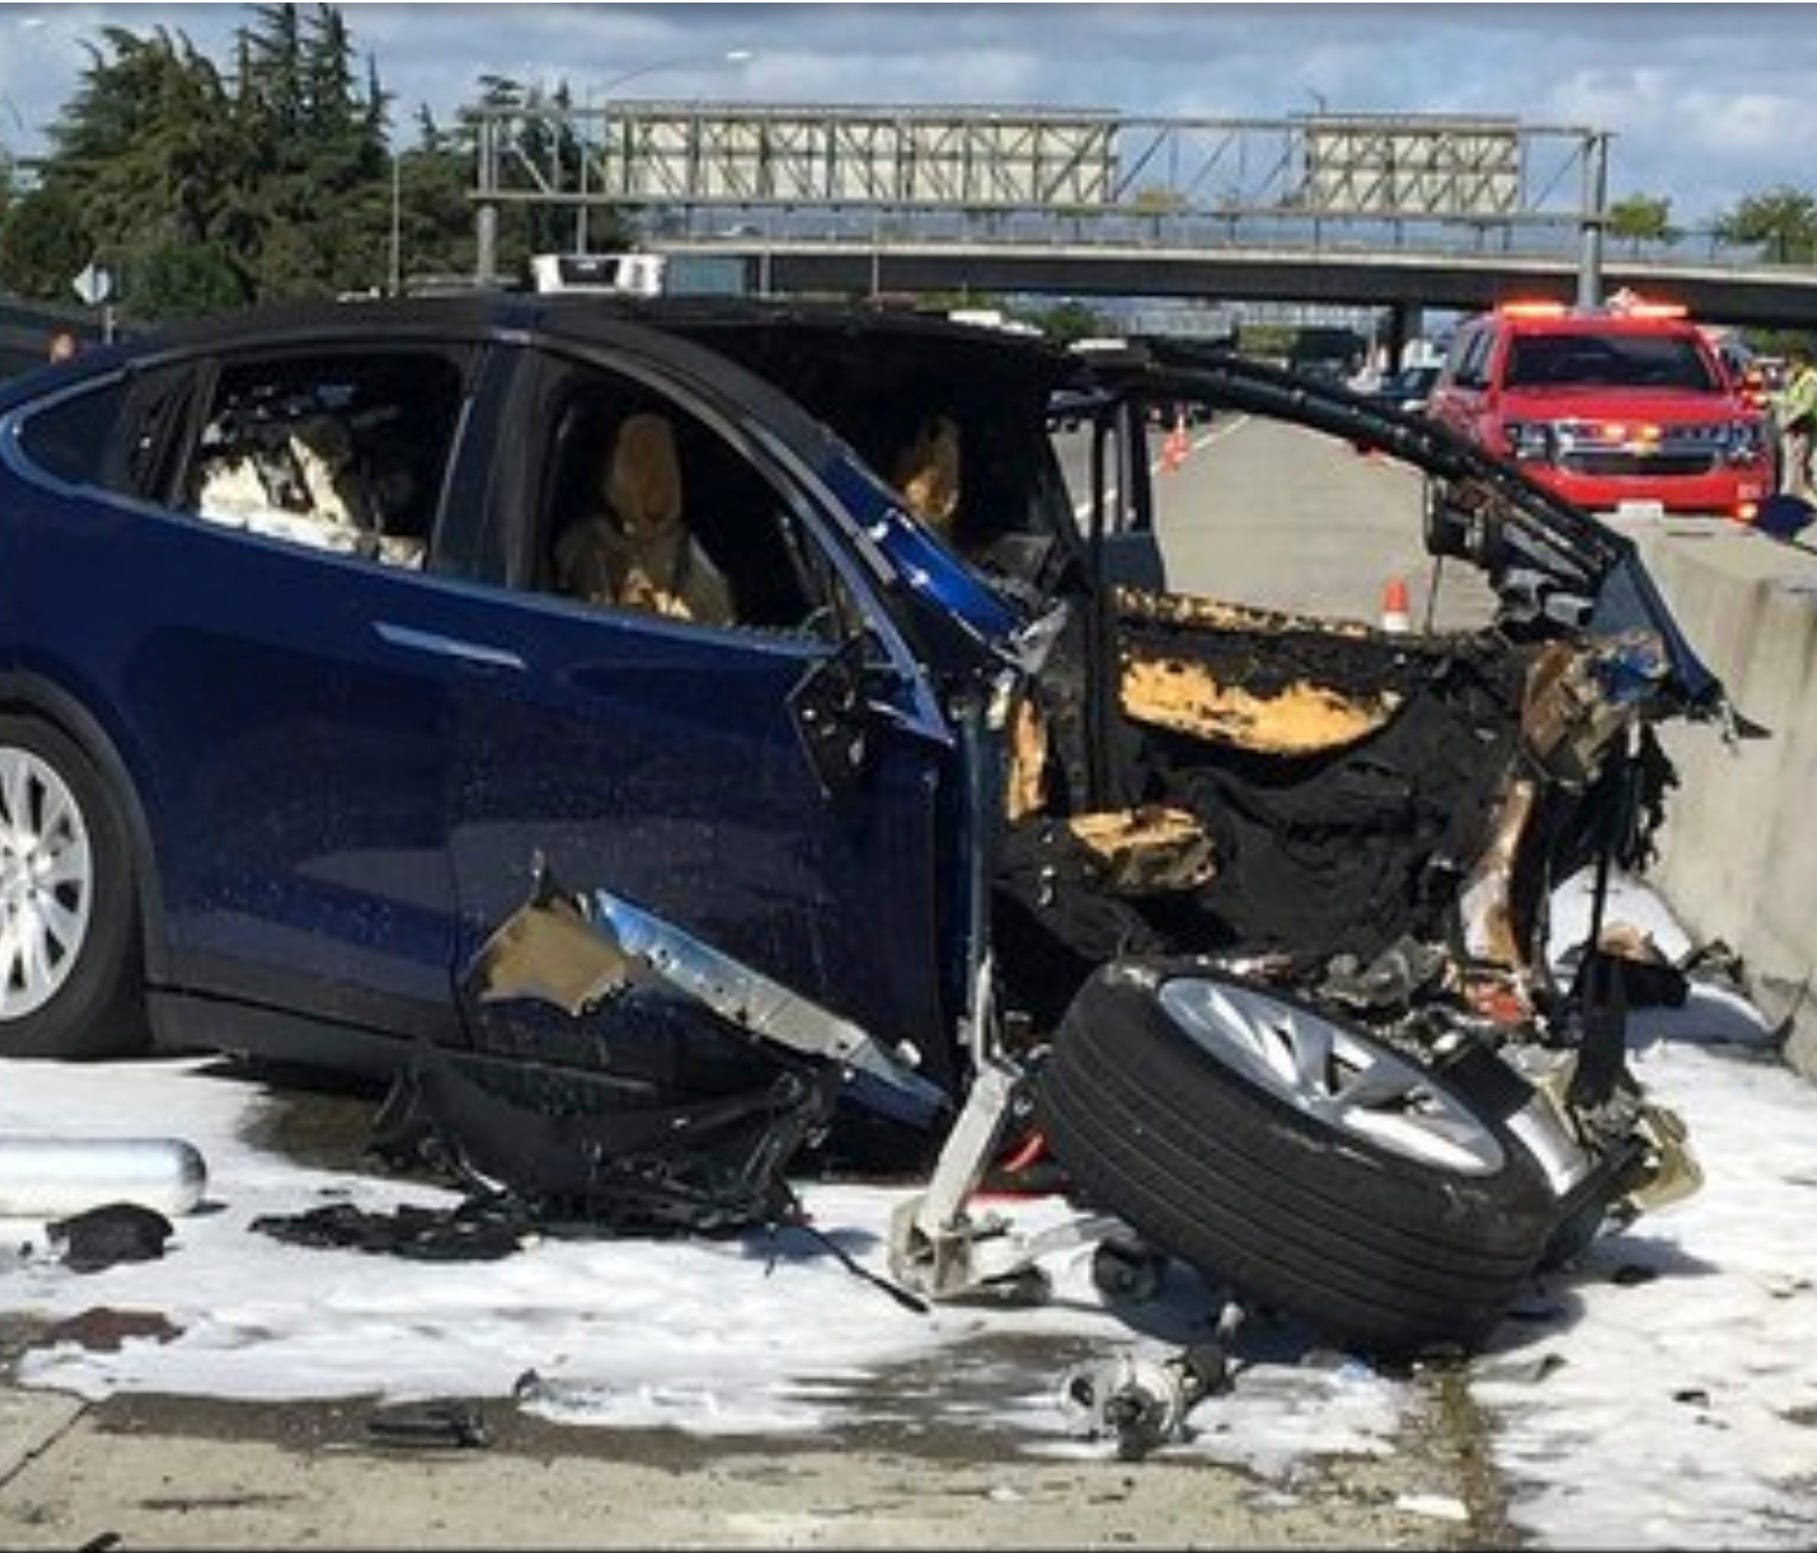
(1294, 1157)
(69, 934)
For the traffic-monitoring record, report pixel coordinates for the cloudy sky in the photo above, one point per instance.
(1707, 102)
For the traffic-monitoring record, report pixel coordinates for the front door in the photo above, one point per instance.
(666, 593)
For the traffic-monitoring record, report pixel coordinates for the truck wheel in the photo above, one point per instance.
(70, 980)
(1293, 1157)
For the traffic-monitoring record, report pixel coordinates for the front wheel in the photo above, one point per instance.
(70, 983)
(1294, 1157)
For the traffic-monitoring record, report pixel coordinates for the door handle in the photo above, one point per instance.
(478, 654)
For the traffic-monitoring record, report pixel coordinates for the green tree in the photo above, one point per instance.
(189, 281)
(1066, 321)
(1639, 218)
(274, 172)
(311, 218)
(41, 245)
(145, 150)
(1783, 220)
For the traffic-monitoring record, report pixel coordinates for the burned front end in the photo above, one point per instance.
(1297, 1016)
(1270, 925)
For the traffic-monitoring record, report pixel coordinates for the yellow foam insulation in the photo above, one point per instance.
(1148, 849)
(1299, 719)
(1027, 780)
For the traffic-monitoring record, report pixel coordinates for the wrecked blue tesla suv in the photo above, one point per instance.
(619, 708)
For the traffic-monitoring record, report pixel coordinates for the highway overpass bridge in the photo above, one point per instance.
(1777, 296)
(1404, 211)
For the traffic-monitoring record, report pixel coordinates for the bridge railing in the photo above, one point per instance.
(1290, 230)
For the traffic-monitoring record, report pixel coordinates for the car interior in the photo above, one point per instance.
(341, 453)
(644, 506)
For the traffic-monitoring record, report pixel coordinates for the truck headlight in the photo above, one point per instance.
(1529, 441)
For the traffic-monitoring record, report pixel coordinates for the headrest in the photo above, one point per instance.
(643, 480)
(927, 473)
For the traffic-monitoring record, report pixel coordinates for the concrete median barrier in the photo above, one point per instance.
(1738, 852)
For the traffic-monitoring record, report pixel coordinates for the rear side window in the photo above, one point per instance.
(334, 450)
(75, 440)
(1608, 361)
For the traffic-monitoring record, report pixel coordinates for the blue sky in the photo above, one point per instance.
(1706, 102)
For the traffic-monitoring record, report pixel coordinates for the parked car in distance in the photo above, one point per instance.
(1408, 389)
(640, 703)
(1622, 407)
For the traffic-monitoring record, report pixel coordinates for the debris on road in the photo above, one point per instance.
(437, 1424)
(102, 1237)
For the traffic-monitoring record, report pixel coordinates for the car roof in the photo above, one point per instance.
(591, 316)
(1598, 323)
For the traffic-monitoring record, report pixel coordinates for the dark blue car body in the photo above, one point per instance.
(334, 777)
(337, 773)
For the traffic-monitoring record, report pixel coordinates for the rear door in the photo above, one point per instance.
(236, 595)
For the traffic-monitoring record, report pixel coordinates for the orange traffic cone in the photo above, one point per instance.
(1395, 613)
(1174, 449)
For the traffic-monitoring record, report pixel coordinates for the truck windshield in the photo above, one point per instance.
(1608, 360)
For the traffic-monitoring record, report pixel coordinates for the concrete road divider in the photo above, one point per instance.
(1738, 852)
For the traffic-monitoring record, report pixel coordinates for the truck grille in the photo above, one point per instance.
(1664, 464)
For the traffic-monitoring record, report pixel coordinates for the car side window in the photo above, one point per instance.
(643, 506)
(1472, 368)
(72, 440)
(336, 450)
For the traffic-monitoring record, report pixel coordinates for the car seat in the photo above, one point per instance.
(639, 553)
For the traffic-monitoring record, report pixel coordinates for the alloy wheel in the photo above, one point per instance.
(1346, 1080)
(46, 882)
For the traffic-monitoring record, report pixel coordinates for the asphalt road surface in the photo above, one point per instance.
(1259, 512)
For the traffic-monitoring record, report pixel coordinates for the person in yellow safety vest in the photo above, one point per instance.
(1795, 410)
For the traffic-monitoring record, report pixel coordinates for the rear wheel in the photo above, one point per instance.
(70, 983)
(1294, 1157)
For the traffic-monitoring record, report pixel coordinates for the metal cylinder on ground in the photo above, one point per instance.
(49, 1178)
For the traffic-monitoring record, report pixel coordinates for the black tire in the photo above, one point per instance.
(97, 1006)
(1376, 1249)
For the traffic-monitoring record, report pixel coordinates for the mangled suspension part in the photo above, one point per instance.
(1143, 1403)
(938, 1248)
(1609, 1162)
(578, 951)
